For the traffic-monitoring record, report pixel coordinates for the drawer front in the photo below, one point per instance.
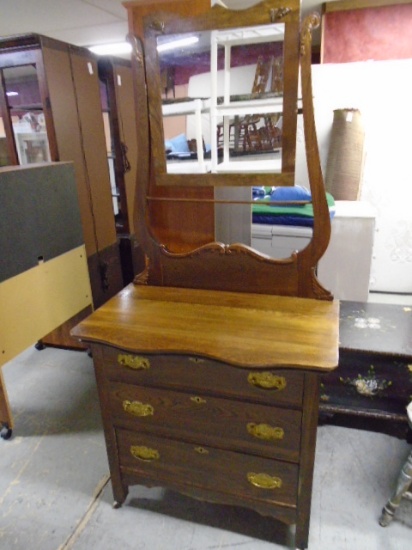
(195, 373)
(259, 429)
(193, 465)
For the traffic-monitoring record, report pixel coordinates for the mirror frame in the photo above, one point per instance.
(219, 18)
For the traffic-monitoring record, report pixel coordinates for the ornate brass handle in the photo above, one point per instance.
(267, 380)
(135, 362)
(264, 481)
(136, 408)
(144, 453)
(264, 431)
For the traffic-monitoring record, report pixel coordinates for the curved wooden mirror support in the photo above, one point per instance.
(176, 222)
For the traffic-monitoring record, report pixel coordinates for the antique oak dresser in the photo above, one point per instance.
(208, 365)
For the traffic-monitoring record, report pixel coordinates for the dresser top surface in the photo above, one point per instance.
(247, 330)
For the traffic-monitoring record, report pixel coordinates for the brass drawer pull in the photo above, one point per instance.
(135, 362)
(136, 408)
(264, 481)
(144, 453)
(198, 400)
(267, 380)
(264, 431)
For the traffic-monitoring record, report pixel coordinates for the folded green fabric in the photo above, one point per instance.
(304, 210)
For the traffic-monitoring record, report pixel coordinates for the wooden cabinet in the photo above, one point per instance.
(208, 365)
(373, 385)
(51, 110)
(119, 115)
(193, 396)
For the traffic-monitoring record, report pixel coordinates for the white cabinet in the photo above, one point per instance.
(345, 268)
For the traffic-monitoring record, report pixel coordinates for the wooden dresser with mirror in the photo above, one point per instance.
(208, 365)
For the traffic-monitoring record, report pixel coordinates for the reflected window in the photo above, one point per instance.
(222, 99)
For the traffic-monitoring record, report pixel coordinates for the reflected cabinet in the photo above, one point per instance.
(208, 365)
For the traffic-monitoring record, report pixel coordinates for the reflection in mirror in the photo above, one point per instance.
(222, 99)
(26, 112)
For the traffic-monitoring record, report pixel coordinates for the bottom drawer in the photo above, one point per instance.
(187, 465)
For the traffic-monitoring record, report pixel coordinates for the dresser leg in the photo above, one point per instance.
(302, 536)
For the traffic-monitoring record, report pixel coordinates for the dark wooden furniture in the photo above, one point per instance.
(213, 394)
(57, 89)
(208, 366)
(373, 384)
(121, 133)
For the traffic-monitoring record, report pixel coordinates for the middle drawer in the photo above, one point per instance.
(246, 427)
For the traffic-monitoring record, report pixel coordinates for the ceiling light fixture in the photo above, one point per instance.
(179, 43)
(116, 48)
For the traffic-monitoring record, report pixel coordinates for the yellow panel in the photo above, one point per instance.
(39, 300)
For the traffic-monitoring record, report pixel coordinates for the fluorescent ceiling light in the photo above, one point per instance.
(12, 93)
(112, 49)
(180, 43)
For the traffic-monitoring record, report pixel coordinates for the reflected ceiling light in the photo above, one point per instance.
(116, 48)
(180, 43)
(10, 94)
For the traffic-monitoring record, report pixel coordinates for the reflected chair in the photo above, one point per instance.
(244, 132)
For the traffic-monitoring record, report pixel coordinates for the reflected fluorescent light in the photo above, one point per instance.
(10, 94)
(116, 48)
(180, 43)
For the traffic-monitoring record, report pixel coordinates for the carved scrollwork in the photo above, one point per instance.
(134, 42)
(310, 23)
(280, 13)
(318, 290)
(142, 277)
(228, 249)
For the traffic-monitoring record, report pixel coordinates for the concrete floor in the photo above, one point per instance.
(55, 491)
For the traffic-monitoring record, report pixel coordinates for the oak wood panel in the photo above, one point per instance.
(218, 422)
(217, 470)
(243, 329)
(183, 227)
(201, 374)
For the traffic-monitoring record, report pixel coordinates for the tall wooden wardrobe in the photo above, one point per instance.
(50, 110)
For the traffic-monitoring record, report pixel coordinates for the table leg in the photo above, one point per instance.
(6, 421)
(404, 482)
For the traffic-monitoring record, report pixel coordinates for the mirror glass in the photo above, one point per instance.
(222, 100)
(27, 116)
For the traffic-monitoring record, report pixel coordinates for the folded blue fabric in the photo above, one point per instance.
(258, 192)
(177, 144)
(295, 193)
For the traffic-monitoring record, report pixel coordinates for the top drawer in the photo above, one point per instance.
(280, 386)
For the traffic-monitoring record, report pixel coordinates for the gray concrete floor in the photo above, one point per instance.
(55, 490)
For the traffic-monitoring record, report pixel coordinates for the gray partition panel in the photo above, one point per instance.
(39, 215)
